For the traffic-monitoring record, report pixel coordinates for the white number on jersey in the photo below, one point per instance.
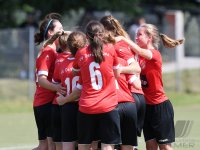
(69, 84)
(95, 76)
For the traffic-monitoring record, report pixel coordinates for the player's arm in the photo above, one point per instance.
(43, 82)
(135, 81)
(135, 48)
(70, 98)
(133, 68)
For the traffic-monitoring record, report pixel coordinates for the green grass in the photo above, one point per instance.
(13, 89)
(17, 129)
(14, 96)
(189, 82)
(17, 124)
(183, 99)
(15, 106)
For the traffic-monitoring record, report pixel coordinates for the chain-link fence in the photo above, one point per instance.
(17, 61)
(17, 53)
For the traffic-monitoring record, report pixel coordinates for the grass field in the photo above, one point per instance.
(18, 129)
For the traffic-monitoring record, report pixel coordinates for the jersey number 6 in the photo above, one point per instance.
(95, 76)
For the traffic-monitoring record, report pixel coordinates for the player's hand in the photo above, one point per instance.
(60, 89)
(60, 99)
(67, 32)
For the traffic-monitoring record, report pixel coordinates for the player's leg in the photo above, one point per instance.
(128, 124)
(141, 108)
(56, 126)
(166, 130)
(109, 129)
(42, 118)
(86, 126)
(69, 126)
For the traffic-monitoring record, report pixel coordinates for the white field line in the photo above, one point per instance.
(19, 147)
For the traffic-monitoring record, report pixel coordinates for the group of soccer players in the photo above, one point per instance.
(102, 88)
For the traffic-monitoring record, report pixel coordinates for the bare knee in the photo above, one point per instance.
(151, 145)
(43, 145)
(165, 147)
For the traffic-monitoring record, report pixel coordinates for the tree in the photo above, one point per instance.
(131, 7)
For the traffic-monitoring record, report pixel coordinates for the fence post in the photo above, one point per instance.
(31, 63)
(179, 50)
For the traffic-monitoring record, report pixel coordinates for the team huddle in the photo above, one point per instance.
(102, 90)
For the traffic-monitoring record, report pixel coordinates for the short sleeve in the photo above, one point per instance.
(47, 59)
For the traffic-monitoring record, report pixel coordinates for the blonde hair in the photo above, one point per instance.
(113, 25)
(152, 30)
(170, 43)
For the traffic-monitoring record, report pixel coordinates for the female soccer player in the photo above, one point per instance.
(159, 119)
(45, 90)
(113, 27)
(127, 110)
(69, 80)
(56, 109)
(98, 101)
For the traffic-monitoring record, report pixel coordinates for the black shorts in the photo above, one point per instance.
(69, 122)
(56, 123)
(141, 108)
(106, 126)
(159, 123)
(128, 123)
(43, 120)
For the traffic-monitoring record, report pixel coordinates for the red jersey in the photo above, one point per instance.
(151, 77)
(44, 66)
(98, 81)
(123, 92)
(124, 51)
(58, 63)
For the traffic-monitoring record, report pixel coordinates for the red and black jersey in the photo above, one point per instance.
(151, 77)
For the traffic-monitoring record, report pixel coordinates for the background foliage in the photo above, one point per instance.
(12, 11)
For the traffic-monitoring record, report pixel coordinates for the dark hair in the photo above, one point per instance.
(53, 15)
(45, 26)
(95, 33)
(76, 41)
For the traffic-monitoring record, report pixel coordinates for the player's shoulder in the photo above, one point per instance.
(83, 50)
(108, 47)
(121, 43)
(49, 50)
(155, 54)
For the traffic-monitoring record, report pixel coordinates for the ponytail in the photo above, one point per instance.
(95, 32)
(169, 42)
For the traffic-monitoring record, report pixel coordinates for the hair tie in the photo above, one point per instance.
(45, 31)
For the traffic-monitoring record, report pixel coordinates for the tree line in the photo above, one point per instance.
(12, 9)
